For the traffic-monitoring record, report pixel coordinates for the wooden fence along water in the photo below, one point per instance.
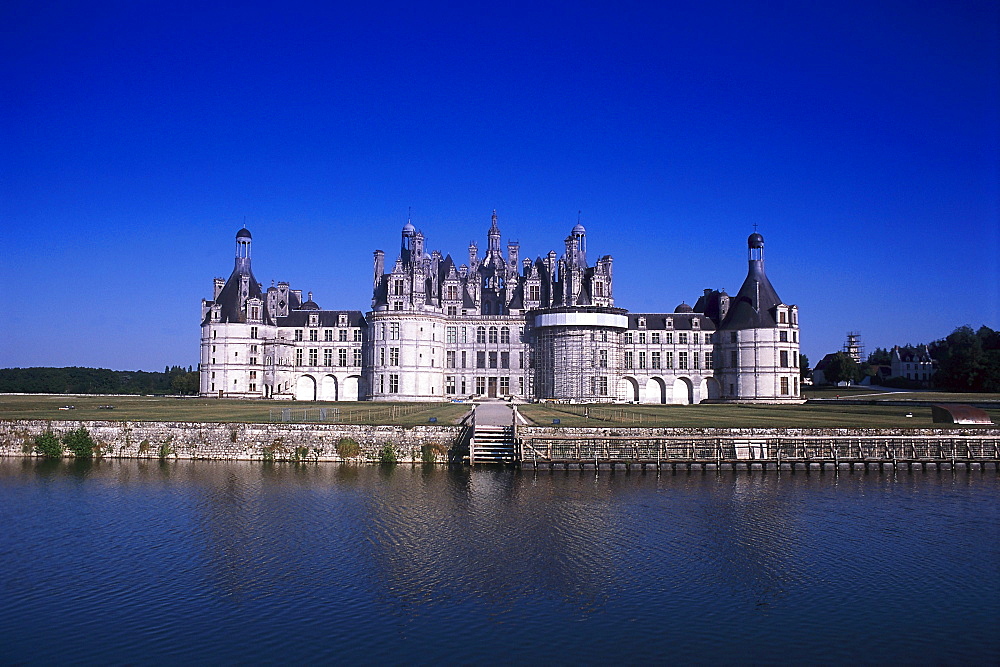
(773, 452)
(385, 414)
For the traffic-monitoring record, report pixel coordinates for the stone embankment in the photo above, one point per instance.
(248, 442)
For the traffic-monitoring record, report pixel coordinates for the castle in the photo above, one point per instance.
(497, 326)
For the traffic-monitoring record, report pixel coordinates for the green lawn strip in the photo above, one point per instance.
(744, 416)
(171, 409)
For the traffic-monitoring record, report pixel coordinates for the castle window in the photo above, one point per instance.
(313, 335)
(708, 360)
(328, 357)
(449, 384)
(463, 362)
(642, 322)
(604, 335)
(602, 358)
(451, 335)
(654, 360)
(452, 311)
(328, 335)
(381, 356)
(520, 359)
(642, 360)
(669, 338)
(682, 338)
(214, 333)
(397, 305)
(481, 359)
(696, 359)
(784, 386)
(782, 316)
(342, 335)
(451, 292)
(628, 359)
(480, 334)
(655, 337)
(393, 383)
(298, 334)
(342, 319)
(480, 385)
(599, 289)
(534, 293)
(505, 385)
(682, 360)
(397, 288)
(493, 334)
(313, 357)
(255, 313)
(795, 336)
(734, 359)
(697, 338)
(449, 359)
(313, 320)
(642, 337)
(505, 335)
(732, 337)
(669, 322)
(669, 360)
(695, 323)
(394, 331)
(357, 335)
(342, 357)
(629, 338)
(298, 357)
(493, 359)
(357, 357)
(602, 386)
(393, 356)
(783, 336)
(505, 360)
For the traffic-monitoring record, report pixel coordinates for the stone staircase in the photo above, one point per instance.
(492, 444)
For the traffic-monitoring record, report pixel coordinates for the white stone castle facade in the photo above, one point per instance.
(497, 326)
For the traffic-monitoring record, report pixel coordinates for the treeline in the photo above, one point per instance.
(77, 380)
(968, 360)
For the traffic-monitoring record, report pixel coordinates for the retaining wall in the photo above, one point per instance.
(184, 440)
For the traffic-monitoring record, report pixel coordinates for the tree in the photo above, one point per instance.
(842, 368)
(804, 370)
(968, 360)
(80, 443)
(880, 357)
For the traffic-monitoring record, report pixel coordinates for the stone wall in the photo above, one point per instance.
(261, 442)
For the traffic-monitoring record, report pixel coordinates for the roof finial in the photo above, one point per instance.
(755, 226)
(578, 214)
(409, 214)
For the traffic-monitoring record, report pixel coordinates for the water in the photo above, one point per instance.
(143, 562)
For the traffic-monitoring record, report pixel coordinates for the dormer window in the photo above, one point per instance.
(669, 322)
(642, 322)
(695, 323)
(342, 320)
(313, 319)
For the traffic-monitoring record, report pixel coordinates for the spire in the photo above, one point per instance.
(493, 246)
(752, 306)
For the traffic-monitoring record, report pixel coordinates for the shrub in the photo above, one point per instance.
(79, 443)
(48, 445)
(144, 446)
(301, 453)
(428, 454)
(348, 448)
(388, 454)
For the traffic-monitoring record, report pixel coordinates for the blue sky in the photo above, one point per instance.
(135, 137)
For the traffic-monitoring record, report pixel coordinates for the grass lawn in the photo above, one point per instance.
(166, 408)
(739, 416)
(880, 394)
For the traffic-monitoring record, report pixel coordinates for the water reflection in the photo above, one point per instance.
(572, 561)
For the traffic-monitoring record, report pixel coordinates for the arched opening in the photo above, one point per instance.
(711, 389)
(329, 388)
(683, 392)
(351, 388)
(305, 388)
(656, 391)
(628, 390)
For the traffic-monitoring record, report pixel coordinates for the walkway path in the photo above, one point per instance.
(493, 414)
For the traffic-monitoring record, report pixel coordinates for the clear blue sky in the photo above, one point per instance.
(862, 138)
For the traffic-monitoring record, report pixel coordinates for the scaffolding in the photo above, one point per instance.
(576, 363)
(853, 346)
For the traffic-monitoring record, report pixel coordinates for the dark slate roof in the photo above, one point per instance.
(753, 306)
(229, 297)
(327, 318)
(243, 234)
(682, 321)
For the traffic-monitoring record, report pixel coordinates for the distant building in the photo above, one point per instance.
(497, 326)
(913, 363)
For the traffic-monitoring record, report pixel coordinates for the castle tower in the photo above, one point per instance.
(757, 346)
